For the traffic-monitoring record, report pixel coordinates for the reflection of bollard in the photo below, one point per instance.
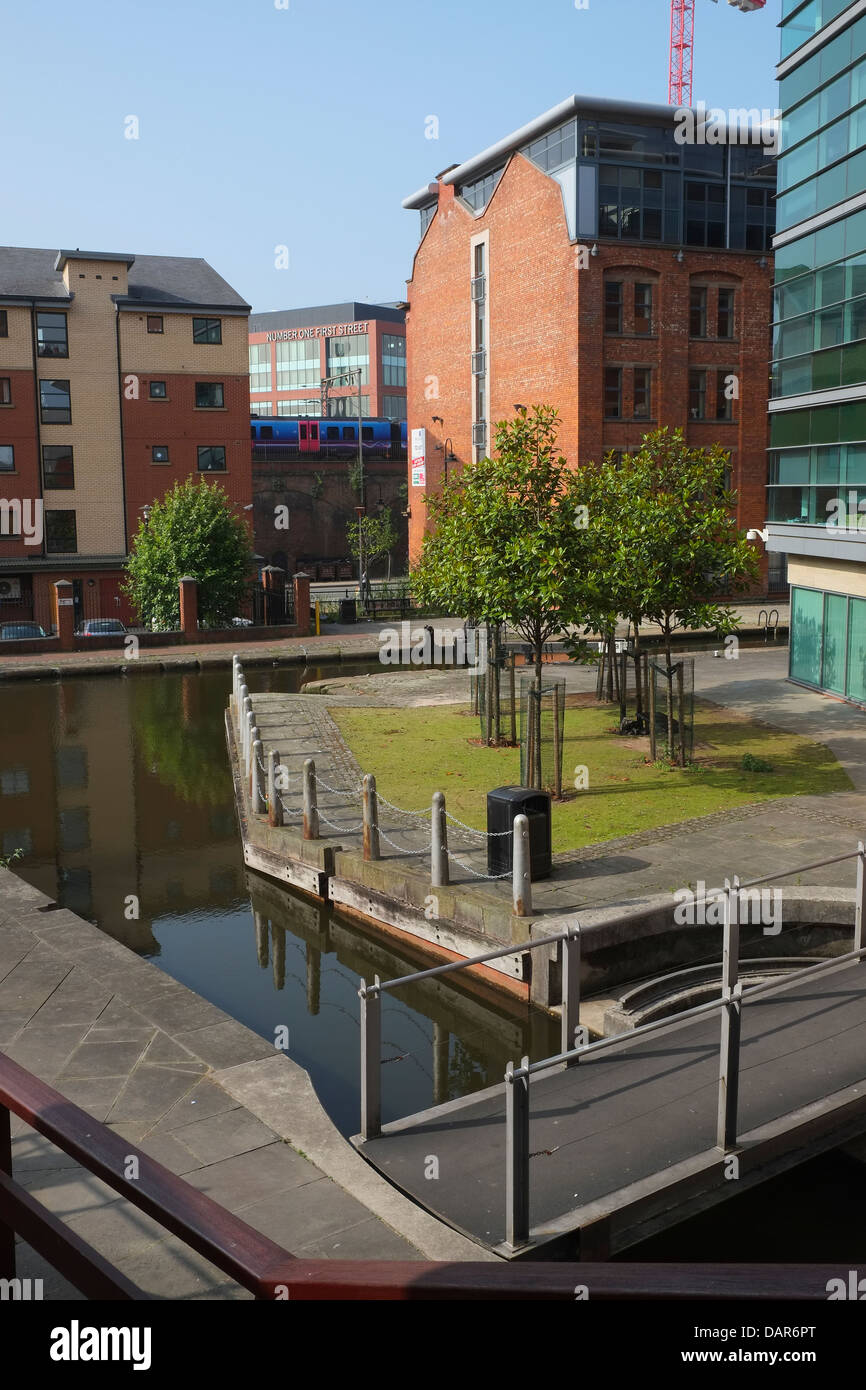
(311, 814)
(275, 806)
(261, 925)
(256, 792)
(521, 872)
(439, 842)
(370, 808)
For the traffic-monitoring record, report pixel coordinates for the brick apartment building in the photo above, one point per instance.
(592, 262)
(291, 350)
(119, 376)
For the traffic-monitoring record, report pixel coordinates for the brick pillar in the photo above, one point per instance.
(301, 583)
(64, 614)
(274, 581)
(189, 607)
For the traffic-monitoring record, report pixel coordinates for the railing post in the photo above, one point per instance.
(256, 793)
(371, 1059)
(370, 807)
(521, 870)
(275, 808)
(438, 842)
(860, 901)
(7, 1234)
(570, 992)
(311, 814)
(729, 1052)
(517, 1155)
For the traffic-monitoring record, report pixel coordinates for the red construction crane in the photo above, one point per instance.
(682, 46)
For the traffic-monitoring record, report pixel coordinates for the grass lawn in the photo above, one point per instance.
(415, 752)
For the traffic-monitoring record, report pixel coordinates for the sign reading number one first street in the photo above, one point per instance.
(419, 458)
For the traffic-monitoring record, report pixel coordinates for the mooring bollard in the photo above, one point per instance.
(370, 810)
(256, 792)
(439, 842)
(371, 1058)
(244, 704)
(253, 735)
(517, 1154)
(311, 814)
(275, 805)
(521, 870)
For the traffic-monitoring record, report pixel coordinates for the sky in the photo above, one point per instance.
(302, 124)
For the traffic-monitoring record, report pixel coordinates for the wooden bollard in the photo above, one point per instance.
(311, 814)
(275, 806)
(439, 842)
(370, 810)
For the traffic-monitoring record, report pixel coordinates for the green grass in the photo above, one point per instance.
(414, 752)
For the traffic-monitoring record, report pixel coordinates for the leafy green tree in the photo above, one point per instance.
(192, 530)
(371, 537)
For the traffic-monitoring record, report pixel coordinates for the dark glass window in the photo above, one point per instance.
(159, 453)
(4, 323)
(157, 391)
(51, 339)
(55, 403)
(697, 395)
(207, 330)
(630, 203)
(5, 390)
(209, 395)
(332, 432)
(698, 312)
(643, 308)
(211, 458)
(724, 403)
(725, 321)
(613, 306)
(7, 458)
(613, 393)
(394, 359)
(641, 405)
(154, 323)
(57, 466)
(60, 533)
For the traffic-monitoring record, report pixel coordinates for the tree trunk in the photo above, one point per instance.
(494, 673)
(535, 779)
(669, 680)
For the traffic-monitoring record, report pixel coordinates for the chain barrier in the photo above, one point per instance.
(469, 869)
(485, 834)
(383, 835)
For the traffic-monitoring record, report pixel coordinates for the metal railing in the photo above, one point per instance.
(371, 1011)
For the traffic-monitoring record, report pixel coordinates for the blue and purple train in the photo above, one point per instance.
(282, 437)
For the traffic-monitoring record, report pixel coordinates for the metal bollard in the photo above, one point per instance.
(311, 814)
(275, 806)
(253, 735)
(371, 1059)
(570, 992)
(439, 842)
(729, 1048)
(256, 792)
(860, 902)
(370, 808)
(517, 1154)
(521, 871)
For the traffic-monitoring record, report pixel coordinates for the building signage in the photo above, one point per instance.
(331, 330)
(419, 458)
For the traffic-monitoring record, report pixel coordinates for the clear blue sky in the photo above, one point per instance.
(305, 126)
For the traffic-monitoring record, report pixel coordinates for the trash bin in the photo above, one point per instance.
(348, 610)
(503, 804)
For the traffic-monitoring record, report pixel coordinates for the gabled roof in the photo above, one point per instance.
(180, 281)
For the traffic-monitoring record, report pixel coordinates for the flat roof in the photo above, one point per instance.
(353, 311)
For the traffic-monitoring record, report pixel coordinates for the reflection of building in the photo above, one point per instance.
(592, 262)
(817, 475)
(292, 349)
(119, 376)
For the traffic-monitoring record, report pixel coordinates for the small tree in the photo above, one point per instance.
(192, 530)
(371, 537)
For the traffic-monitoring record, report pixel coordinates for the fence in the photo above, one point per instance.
(672, 708)
(492, 686)
(542, 729)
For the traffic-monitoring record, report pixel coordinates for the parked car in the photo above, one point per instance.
(101, 627)
(14, 632)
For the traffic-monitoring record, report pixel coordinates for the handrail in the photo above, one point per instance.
(518, 948)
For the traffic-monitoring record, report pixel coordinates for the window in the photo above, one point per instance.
(332, 432)
(159, 453)
(51, 340)
(705, 212)
(260, 368)
(72, 767)
(207, 330)
(697, 395)
(725, 380)
(5, 390)
(698, 312)
(57, 466)
(643, 309)
(612, 306)
(209, 395)
(211, 458)
(298, 365)
(157, 391)
(74, 829)
(394, 407)
(394, 359)
(4, 323)
(725, 321)
(637, 204)
(348, 353)
(60, 533)
(613, 393)
(154, 323)
(348, 432)
(479, 193)
(7, 458)
(642, 393)
(55, 403)
(14, 781)
(299, 408)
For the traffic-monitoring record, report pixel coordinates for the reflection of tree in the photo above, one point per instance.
(178, 740)
(465, 1072)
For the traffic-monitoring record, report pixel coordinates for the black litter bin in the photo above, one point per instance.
(503, 804)
(348, 610)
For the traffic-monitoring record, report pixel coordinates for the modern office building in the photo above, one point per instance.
(119, 376)
(607, 260)
(817, 472)
(292, 350)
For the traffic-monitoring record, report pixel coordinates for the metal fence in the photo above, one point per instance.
(542, 729)
(672, 708)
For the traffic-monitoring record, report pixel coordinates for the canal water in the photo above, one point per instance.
(118, 792)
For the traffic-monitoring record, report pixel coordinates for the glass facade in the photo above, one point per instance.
(828, 642)
(298, 409)
(260, 367)
(394, 359)
(394, 407)
(298, 365)
(346, 354)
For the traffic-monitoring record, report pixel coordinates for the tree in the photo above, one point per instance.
(192, 530)
(371, 537)
(666, 541)
(509, 545)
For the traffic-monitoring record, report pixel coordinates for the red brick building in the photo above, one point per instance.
(592, 262)
(119, 376)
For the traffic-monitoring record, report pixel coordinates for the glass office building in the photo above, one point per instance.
(816, 512)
